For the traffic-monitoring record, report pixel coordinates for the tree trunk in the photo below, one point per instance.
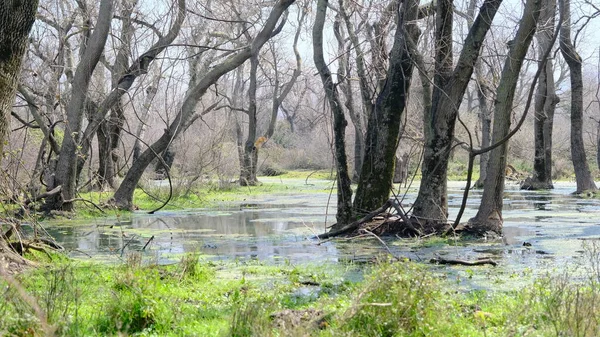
(545, 103)
(431, 205)
(247, 178)
(383, 128)
(484, 93)
(16, 20)
(145, 113)
(344, 75)
(344, 191)
(485, 98)
(489, 216)
(163, 167)
(123, 197)
(66, 167)
(584, 179)
(106, 167)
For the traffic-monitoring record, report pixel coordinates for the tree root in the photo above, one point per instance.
(383, 223)
(356, 224)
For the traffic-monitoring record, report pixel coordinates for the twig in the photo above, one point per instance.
(86, 201)
(147, 243)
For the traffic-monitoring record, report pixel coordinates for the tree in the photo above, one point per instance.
(249, 165)
(431, 205)
(584, 179)
(485, 97)
(545, 104)
(123, 197)
(344, 191)
(16, 20)
(106, 118)
(489, 215)
(383, 128)
(66, 166)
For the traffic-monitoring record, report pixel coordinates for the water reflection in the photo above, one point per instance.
(278, 228)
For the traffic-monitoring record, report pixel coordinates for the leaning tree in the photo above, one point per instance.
(489, 215)
(16, 19)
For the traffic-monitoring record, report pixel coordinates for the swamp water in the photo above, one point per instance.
(544, 232)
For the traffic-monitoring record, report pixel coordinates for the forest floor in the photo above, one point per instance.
(385, 296)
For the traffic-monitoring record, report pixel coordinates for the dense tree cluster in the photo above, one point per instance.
(112, 93)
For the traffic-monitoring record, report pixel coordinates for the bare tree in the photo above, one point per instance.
(489, 215)
(66, 166)
(584, 179)
(106, 117)
(545, 105)
(344, 191)
(431, 205)
(383, 128)
(123, 197)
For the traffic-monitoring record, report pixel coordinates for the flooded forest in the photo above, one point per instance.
(299, 168)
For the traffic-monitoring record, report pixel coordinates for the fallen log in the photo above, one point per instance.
(441, 260)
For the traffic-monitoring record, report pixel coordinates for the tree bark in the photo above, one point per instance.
(584, 179)
(16, 20)
(545, 103)
(431, 205)
(123, 197)
(344, 191)
(383, 128)
(489, 216)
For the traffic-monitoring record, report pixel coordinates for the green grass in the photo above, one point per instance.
(203, 298)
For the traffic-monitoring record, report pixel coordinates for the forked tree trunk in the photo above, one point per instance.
(489, 216)
(344, 191)
(66, 166)
(123, 81)
(431, 205)
(545, 104)
(584, 179)
(383, 130)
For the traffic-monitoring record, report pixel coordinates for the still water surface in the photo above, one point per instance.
(278, 229)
